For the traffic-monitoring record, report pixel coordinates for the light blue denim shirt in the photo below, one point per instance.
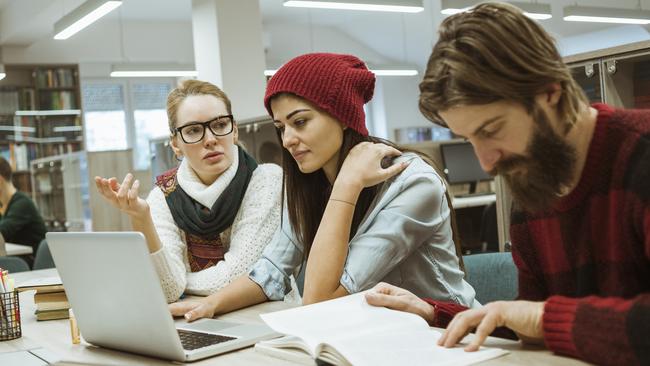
(405, 240)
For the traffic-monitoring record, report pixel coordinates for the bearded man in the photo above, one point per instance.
(579, 175)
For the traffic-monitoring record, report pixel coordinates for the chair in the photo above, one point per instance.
(14, 264)
(489, 234)
(493, 276)
(43, 258)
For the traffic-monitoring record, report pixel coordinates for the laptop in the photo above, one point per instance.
(119, 303)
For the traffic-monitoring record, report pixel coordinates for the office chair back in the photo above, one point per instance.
(489, 234)
(14, 264)
(493, 276)
(43, 258)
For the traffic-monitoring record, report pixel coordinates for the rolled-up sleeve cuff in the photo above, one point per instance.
(272, 281)
(558, 320)
(348, 283)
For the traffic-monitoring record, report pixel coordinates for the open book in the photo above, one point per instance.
(348, 331)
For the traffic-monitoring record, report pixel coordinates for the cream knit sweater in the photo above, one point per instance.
(255, 223)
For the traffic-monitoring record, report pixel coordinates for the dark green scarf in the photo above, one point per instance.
(194, 218)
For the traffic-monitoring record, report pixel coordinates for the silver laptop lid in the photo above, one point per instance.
(115, 293)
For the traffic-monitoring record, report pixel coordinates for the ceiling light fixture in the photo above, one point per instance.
(606, 15)
(402, 6)
(532, 10)
(377, 72)
(156, 70)
(83, 16)
(449, 7)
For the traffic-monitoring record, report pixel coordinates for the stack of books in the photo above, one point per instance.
(50, 299)
(51, 303)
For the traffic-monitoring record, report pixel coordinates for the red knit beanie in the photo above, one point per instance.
(338, 84)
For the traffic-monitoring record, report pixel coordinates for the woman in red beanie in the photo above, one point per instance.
(350, 220)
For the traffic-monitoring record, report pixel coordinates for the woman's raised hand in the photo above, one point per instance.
(123, 196)
(362, 167)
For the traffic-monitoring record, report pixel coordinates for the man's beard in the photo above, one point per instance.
(536, 180)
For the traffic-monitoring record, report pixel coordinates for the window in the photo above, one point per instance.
(150, 117)
(122, 114)
(104, 116)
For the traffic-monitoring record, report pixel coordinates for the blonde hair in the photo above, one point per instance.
(192, 87)
(494, 52)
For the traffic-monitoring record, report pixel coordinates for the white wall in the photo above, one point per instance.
(606, 38)
(400, 95)
(286, 41)
(169, 42)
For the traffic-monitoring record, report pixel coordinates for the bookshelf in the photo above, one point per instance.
(620, 77)
(40, 116)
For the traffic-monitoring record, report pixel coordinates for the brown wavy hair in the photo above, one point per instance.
(494, 52)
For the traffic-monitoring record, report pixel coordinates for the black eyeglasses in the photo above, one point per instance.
(194, 132)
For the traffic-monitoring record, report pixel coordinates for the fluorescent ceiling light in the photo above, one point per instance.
(405, 6)
(2, 72)
(83, 16)
(395, 72)
(606, 15)
(535, 10)
(378, 72)
(532, 10)
(152, 74)
(155, 70)
(457, 6)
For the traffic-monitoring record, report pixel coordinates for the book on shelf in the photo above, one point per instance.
(57, 100)
(55, 78)
(348, 331)
(27, 99)
(9, 101)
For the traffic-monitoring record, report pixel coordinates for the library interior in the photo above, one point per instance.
(78, 105)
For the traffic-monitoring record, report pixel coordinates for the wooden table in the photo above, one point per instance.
(54, 335)
(18, 249)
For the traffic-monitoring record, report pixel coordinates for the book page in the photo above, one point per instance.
(349, 315)
(419, 347)
(369, 335)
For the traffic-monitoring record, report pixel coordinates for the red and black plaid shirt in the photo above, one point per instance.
(589, 257)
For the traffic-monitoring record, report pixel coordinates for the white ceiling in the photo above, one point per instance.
(395, 36)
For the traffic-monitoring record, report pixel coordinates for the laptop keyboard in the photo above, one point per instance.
(194, 340)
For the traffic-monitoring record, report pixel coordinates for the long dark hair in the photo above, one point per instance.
(307, 194)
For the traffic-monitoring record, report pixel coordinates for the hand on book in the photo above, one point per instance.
(124, 196)
(192, 310)
(523, 317)
(396, 298)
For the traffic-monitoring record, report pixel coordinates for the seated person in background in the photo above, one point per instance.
(580, 181)
(206, 221)
(20, 221)
(352, 221)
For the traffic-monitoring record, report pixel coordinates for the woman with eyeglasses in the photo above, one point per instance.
(352, 217)
(206, 221)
